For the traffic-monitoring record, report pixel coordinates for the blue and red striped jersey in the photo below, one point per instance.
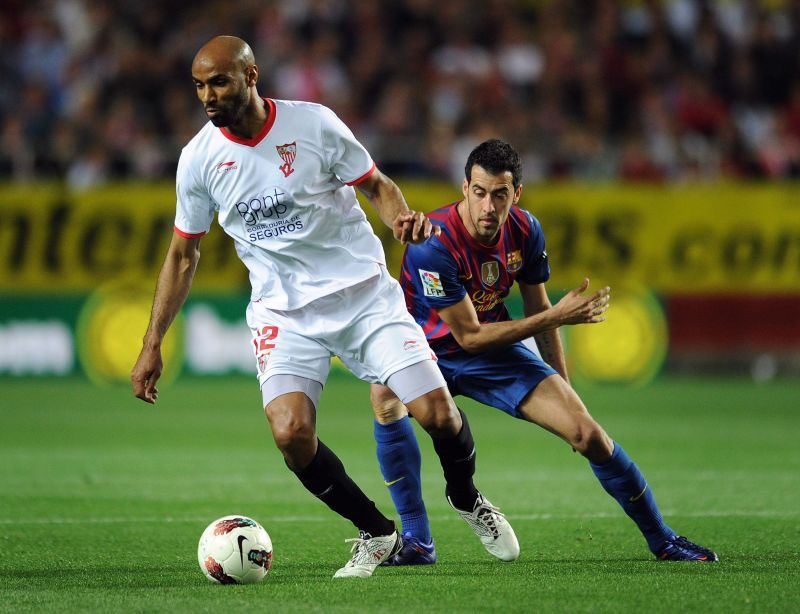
(443, 270)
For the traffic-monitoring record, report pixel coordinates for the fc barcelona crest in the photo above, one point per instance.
(514, 261)
(490, 272)
(287, 153)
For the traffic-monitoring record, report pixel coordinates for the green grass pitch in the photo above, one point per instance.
(103, 499)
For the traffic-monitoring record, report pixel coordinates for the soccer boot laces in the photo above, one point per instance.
(492, 528)
(368, 553)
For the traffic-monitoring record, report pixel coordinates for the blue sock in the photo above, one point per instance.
(400, 461)
(622, 479)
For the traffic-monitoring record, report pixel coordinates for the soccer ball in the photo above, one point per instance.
(235, 550)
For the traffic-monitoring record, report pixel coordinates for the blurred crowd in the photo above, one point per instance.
(597, 90)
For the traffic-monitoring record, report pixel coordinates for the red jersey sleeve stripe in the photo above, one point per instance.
(363, 177)
(188, 235)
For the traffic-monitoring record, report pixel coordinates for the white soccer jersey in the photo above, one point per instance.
(285, 197)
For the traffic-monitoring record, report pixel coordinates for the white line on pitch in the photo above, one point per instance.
(437, 518)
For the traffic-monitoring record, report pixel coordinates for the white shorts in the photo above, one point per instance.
(366, 326)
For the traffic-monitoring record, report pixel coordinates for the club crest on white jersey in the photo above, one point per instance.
(288, 153)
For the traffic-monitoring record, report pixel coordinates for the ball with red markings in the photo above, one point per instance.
(235, 550)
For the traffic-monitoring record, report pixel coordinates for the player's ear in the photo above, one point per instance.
(465, 187)
(251, 75)
(517, 193)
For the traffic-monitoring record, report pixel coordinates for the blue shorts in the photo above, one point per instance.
(501, 378)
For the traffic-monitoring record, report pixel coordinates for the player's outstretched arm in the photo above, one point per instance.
(574, 308)
(407, 226)
(577, 308)
(172, 288)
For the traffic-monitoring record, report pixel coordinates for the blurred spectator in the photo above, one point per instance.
(90, 169)
(644, 90)
(314, 73)
(16, 154)
(636, 165)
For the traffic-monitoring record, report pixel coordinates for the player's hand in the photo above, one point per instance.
(413, 227)
(575, 308)
(145, 374)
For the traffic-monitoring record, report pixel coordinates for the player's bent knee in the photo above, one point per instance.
(291, 417)
(290, 430)
(386, 406)
(591, 441)
(392, 411)
(444, 425)
(436, 413)
(421, 387)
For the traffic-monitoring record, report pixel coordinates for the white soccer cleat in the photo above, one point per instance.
(491, 526)
(368, 553)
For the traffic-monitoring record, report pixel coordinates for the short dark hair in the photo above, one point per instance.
(495, 156)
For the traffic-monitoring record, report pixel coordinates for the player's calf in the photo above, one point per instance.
(326, 479)
(457, 457)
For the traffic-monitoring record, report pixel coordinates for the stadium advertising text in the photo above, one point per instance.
(54, 241)
(731, 238)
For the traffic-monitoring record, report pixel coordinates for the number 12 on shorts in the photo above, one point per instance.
(264, 342)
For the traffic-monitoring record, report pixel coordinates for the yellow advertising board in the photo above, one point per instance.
(687, 239)
(53, 240)
(692, 238)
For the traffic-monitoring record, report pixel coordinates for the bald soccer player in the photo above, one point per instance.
(280, 175)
